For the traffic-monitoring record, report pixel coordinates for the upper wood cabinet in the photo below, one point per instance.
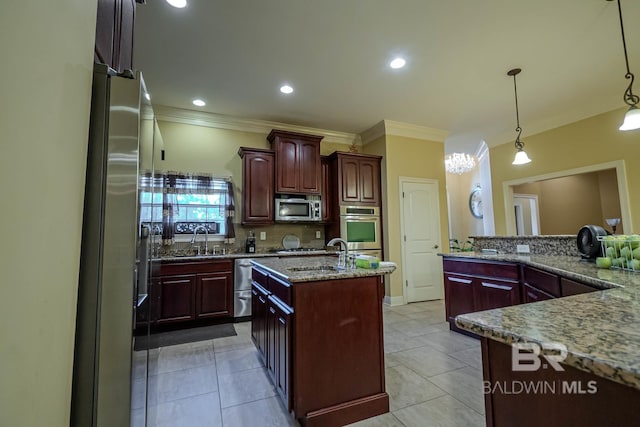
(357, 178)
(325, 195)
(114, 34)
(298, 169)
(257, 185)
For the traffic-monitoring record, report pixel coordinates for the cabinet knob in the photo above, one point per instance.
(435, 246)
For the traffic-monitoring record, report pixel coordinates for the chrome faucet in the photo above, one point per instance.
(206, 238)
(342, 260)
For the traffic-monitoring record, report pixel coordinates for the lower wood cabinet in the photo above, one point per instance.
(259, 319)
(323, 352)
(175, 298)
(474, 284)
(183, 292)
(212, 295)
(494, 293)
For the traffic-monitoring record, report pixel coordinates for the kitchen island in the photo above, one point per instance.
(319, 333)
(600, 383)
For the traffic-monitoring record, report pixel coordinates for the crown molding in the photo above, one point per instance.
(374, 132)
(200, 118)
(414, 131)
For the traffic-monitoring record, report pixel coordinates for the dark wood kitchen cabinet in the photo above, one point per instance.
(191, 291)
(326, 193)
(297, 159)
(214, 293)
(175, 298)
(324, 354)
(357, 178)
(114, 33)
(475, 285)
(259, 319)
(257, 185)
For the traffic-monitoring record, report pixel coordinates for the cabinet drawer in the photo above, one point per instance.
(205, 266)
(571, 287)
(533, 295)
(476, 267)
(546, 282)
(260, 277)
(280, 289)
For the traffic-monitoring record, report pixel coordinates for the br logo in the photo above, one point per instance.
(527, 356)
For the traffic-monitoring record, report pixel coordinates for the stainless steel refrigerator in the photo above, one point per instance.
(107, 291)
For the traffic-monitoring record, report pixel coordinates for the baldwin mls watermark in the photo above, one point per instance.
(530, 357)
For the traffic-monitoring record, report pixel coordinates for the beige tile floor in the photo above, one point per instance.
(433, 377)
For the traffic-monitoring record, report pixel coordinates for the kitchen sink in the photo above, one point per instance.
(314, 268)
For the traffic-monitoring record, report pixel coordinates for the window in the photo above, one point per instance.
(193, 201)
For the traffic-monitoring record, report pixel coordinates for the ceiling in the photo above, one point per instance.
(335, 53)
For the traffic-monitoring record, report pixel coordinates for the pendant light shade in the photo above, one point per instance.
(521, 155)
(521, 158)
(632, 117)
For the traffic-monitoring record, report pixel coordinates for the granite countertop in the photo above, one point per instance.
(600, 329)
(300, 269)
(178, 258)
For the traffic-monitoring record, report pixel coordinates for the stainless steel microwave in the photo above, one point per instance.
(298, 210)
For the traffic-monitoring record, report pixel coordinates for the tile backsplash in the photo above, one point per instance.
(538, 245)
(274, 235)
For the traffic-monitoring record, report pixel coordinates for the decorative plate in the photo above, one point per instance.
(475, 202)
(291, 241)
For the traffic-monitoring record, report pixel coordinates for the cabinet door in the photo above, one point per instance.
(325, 195)
(272, 341)
(214, 295)
(369, 171)
(114, 33)
(309, 169)
(175, 298)
(288, 163)
(258, 195)
(492, 293)
(259, 319)
(458, 295)
(283, 366)
(530, 294)
(349, 180)
(571, 287)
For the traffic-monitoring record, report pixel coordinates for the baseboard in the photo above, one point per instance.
(393, 301)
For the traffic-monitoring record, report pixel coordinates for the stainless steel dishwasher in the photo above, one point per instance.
(242, 288)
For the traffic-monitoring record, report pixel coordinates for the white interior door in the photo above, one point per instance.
(420, 224)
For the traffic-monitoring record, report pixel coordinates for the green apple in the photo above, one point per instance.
(617, 262)
(608, 241)
(634, 264)
(634, 240)
(626, 252)
(636, 253)
(611, 252)
(604, 262)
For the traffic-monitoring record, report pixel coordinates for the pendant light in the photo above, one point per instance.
(521, 156)
(632, 117)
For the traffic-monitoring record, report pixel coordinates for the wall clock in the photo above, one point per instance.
(475, 202)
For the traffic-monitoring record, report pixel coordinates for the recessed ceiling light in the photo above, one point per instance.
(146, 95)
(178, 3)
(199, 103)
(286, 89)
(397, 63)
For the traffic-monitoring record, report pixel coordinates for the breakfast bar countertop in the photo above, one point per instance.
(312, 269)
(601, 329)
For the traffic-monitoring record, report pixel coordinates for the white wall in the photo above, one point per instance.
(47, 56)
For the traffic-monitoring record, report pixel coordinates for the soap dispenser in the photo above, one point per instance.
(251, 243)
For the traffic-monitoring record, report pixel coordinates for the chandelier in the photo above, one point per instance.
(459, 163)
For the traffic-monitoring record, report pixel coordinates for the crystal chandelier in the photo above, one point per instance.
(459, 163)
